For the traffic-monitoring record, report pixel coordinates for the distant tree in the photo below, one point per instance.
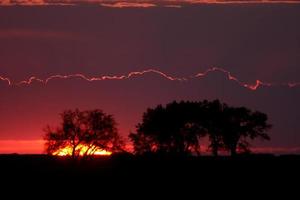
(84, 132)
(240, 124)
(178, 127)
(174, 129)
(213, 122)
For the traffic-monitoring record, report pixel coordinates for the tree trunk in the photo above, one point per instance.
(214, 145)
(233, 150)
(215, 151)
(73, 151)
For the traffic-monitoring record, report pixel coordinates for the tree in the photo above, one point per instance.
(178, 127)
(213, 122)
(83, 132)
(241, 124)
(173, 129)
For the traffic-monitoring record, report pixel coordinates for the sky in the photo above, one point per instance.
(125, 56)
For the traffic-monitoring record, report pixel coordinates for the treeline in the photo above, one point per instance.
(175, 129)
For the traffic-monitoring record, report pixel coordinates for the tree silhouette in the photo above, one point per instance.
(178, 127)
(240, 124)
(174, 129)
(84, 132)
(213, 122)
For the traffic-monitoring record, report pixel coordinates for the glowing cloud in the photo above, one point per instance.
(128, 5)
(257, 84)
(91, 79)
(33, 2)
(228, 75)
(2, 78)
(137, 3)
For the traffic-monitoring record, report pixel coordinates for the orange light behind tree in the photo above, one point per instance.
(82, 150)
(83, 133)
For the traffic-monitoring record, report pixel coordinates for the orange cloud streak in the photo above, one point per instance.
(138, 3)
(228, 75)
(128, 5)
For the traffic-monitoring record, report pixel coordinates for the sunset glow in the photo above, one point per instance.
(83, 150)
(125, 56)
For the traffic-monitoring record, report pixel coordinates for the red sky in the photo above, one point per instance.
(251, 41)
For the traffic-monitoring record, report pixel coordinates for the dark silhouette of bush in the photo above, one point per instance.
(240, 124)
(178, 127)
(213, 123)
(91, 129)
(174, 129)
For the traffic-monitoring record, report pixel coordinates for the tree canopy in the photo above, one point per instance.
(178, 127)
(171, 129)
(83, 133)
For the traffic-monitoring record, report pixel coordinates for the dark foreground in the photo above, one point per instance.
(255, 172)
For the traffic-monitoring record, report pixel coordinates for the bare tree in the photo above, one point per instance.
(83, 133)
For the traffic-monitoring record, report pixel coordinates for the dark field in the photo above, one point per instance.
(150, 175)
(127, 166)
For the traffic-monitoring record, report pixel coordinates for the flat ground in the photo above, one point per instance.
(259, 171)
